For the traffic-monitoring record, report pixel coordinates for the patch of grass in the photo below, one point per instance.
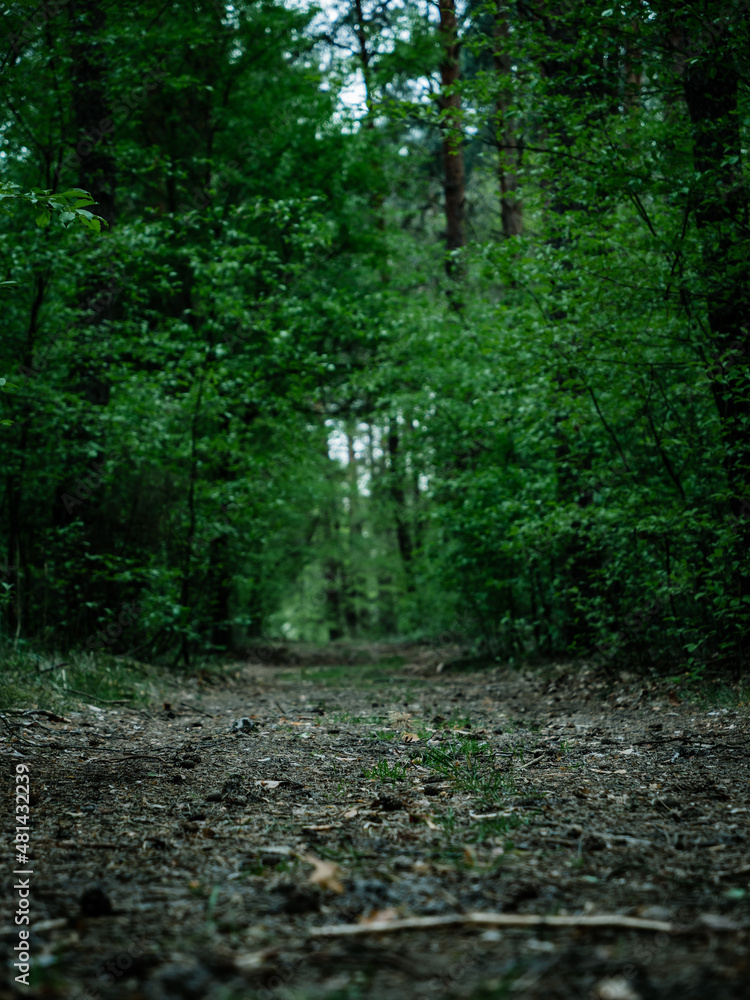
(449, 823)
(392, 662)
(255, 867)
(444, 759)
(518, 752)
(714, 694)
(504, 986)
(357, 989)
(363, 720)
(450, 855)
(384, 771)
(491, 827)
(473, 664)
(470, 767)
(57, 681)
(340, 717)
(439, 761)
(344, 854)
(384, 734)
(457, 721)
(475, 831)
(490, 787)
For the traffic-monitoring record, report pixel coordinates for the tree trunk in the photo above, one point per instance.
(449, 102)
(510, 149)
(403, 534)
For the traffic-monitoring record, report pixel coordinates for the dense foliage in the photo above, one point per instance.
(404, 319)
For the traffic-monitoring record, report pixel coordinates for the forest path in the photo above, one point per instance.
(201, 849)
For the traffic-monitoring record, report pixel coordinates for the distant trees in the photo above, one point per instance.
(556, 443)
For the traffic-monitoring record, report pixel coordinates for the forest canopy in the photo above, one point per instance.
(377, 319)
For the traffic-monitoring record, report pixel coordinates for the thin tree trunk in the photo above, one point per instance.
(510, 150)
(221, 593)
(185, 588)
(403, 534)
(353, 593)
(449, 102)
(633, 77)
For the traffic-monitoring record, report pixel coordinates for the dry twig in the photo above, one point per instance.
(496, 920)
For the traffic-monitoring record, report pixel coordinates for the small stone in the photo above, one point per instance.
(244, 725)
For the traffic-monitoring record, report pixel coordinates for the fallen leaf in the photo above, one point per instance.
(325, 874)
(410, 738)
(268, 784)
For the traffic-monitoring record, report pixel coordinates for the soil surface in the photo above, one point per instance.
(298, 831)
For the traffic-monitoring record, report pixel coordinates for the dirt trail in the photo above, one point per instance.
(216, 848)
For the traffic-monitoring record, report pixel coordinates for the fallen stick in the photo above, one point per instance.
(195, 710)
(494, 920)
(536, 760)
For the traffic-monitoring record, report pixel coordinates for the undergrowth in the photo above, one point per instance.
(30, 680)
